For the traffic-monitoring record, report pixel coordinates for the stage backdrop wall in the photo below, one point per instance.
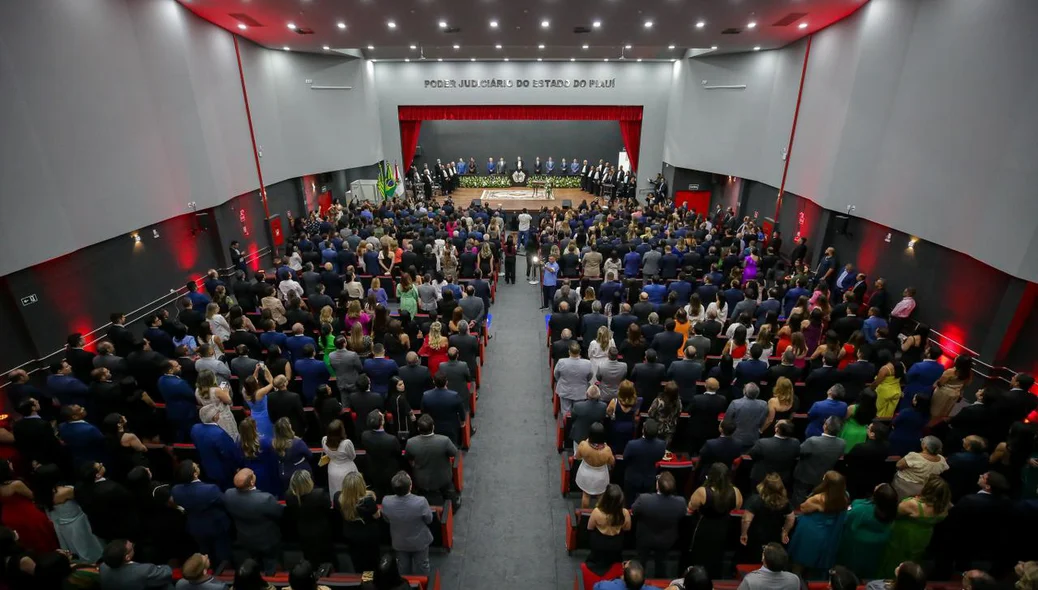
(449, 140)
(635, 84)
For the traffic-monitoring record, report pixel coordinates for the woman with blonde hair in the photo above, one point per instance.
(449, 263)
(293, 454)
(380, 294)
(408, 294)
(486, 260)
(358, 342)
(361, 521)
(781, 404)
(767, 517)
(217, 323)
(435, 347)
(272, 303)
(327, 315)
(354, 315)
(586, 304)
(210, 393)
(310, 509)
(260, 457)
(598, 350)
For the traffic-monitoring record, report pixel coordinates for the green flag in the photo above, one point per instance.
(386, 182)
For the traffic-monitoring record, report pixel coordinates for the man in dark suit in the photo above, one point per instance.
(282, 403)
(119, 571)
(702, 414)
(686, 373)
(297, 341)
(107, 504)
(821, 411)
(621, 322)
(257, 518)
(481, 289)
(431, 454)
(188, 316)
(560, 347)
(458, 375)
(318, 301)
(383, 451)
(971, 519)
(849, 323)
(880, 298)
(798, 291)
(785, 368)
(585, 413)
(1014, 405)
(698, 341)
(818, 454)
(648, 376)
(159, 340)
(707, 291)
(564, 319)
(34, 437)
(446, 408)
(643, 308)
(119, 335)
(966, 466)
(857, 376)
(771, 304)
(467, 264)
(219, 454)
(240, 336)
(723, 449)
(820, 380)
(331, 280)
(591, 322)
(207, 522)
(84, 441)
(64, 386)
(467, 346)
(866, 463)
(362, 401)
(752, 370)
(145, 365)
(711, 328)
(417, 379)
(244, 292)
(659, 518)
(81, 360)
(777, 454)
(667, 344)
(313, 372)
(640, 458)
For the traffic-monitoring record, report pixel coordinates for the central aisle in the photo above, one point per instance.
(509, 533)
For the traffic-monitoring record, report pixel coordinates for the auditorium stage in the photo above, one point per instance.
(510, 199)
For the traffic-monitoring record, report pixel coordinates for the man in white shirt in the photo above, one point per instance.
(524, 226)
(902, 310)
(289, 286)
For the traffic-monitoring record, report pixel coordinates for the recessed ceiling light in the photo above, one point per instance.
(443, 24)
(326, 48)
(700, 24)
(292, 26)
(639, 59)
(506, 59)
(606, 59)
(493, 24)
(802, 26)
(498, 46)
(597, 24)
(713, 47)
(585, 46)
(539, 59)
(413, 47)
(545, 24)
(752, 24)
(439, 59)
(341, 25)
(286, 48)
(407, 59)
(573, 59)
(242, 26)
(648, 24)
(456, 46)
(541, 46)
(627, 46)
(374, 60)
(670, 47)
(391, 24)
(757, 48)
(472, 59)
(371, 47)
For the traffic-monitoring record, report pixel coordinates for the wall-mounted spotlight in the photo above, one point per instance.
(155, 233)
(136, 238)
(911, 243)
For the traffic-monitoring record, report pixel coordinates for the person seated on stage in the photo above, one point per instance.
(491, 167)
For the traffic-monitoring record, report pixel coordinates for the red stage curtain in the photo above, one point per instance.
(631, 131)
(409, 140)
(520, 113)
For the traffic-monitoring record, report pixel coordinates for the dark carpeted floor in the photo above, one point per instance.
(510, 532)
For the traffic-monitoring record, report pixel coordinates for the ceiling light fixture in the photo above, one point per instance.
(374, 60)
(407, 59)
(439, 59)
(545, 24)
(371, 47)
(713, 47)
(286, 48)
(506, 59)
(639, 60)
(413, 47)
(585, 46)
(443, 24)
(341, 25)
(498, 46)
(541, 46)
(606, 59)
(627, 46)
(493, 24)
(597, 24)
(700, 24)
(573, 59)
(670, 47)
(752, 24)
(391, 24)
(472, 59)
(456, 46)
(292, 26)
(757, 48)
(242, 26)
(802, 26)
(325, 47)
(539, 59)
(648, 24)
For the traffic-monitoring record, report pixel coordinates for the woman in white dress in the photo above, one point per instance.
(596, 459)
(340, 453)
(209, 393)
(217, 323)
(598, 351)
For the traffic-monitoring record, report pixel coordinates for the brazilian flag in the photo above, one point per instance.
(386, 182)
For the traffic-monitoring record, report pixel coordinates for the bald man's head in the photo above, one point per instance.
(244, 479)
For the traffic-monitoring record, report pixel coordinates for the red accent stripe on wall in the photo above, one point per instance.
(793, 129)
(252, 132)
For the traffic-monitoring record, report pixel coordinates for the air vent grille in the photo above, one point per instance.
(581, 30)
(789, 19)
(245, 19)
(731, 31)
(452, 30)
(304, 31)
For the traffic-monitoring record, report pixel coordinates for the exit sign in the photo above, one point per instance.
(693, 187)
(29, 300)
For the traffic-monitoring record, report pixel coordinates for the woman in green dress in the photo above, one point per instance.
(408, 294)
(916, 518)
(859, 416)
(867, 531)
